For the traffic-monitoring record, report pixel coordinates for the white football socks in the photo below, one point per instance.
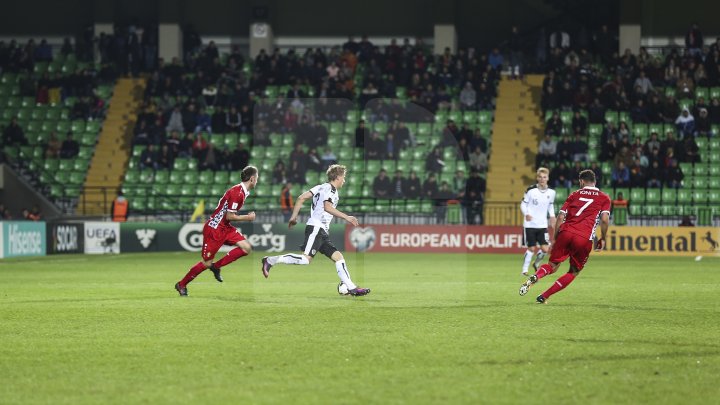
(342, 271)
(528, 258)
(288, 259)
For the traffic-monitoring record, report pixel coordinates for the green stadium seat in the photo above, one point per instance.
(652, 196)
(162, 177)
(77, 126)
(702, 92)
(222, 178)
(561, 194)
(637, 196)
(625, 192)
(190, 177)
(640, 131)
(177, 177)
(651, 210)
(205, 177)
(92, 126)
(684, 196)
(700, 197)
(81, 165)
(669, 210)
(713, 182)
(77, 177)
(612, 116)
(714, 197)
(656, 128)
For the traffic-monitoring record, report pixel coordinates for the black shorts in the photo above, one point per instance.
(317, 240)
(536, 236)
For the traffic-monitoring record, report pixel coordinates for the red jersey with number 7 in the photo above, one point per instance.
(582, 211)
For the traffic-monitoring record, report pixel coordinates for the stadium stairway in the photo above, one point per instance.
(516, 132)
(113, 149)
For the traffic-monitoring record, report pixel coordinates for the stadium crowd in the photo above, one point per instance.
(590, 86)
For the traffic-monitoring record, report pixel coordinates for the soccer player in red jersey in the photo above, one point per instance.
(218, 231)
(577, 220)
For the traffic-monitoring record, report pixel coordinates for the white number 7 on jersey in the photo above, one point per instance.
(588, 201)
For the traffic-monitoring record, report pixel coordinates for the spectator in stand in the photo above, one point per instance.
(554, 125)
(478, 159)
(598, 172)
(579, 123)
(241, 158)
(654, 175)
(449, 134)
(279, 173)
(547, 150)
(185, 148)
(14, 135)
(675, 175)
(468, 97)
(199, 147)
(596, 112)
(642, 84)
(233, 120)
(459, 183)
(375, 147)
(560, 176)
(638, 114)
(474, 198)
(440, 201)
(398, 185)
(53, 147)
(203, 121)
(208, 159)
(412, 187)
(579, 149)
(175, 120)
(694, 40)
(692, 151)
(685, 86)
(173, 143)
(360, 134)
(224, 159)
(314, 162)
(564, 149)
(637, 174)
(685, 123)
(166, 158)
(189, 118)
(298, 165)
(148, 158)
(70, 147)
(4, 212)
(702, 123)
(478, 140)
(433, 161)
(217, 122)
(621, 175)
(328, 158)
(430, 187)
(382, 187)
(654, 110)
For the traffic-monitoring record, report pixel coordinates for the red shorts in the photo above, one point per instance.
(571, 245)
(213, 239)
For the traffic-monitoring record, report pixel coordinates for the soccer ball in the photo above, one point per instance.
(343, 289)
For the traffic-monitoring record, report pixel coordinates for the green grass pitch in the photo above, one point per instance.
(441, 329)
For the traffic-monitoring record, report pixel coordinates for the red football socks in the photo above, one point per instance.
(544, 270)
(561, 283)
(194, 271)
(230, 257)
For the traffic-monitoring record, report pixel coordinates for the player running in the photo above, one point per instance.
(574, 234)
(536, 206)
(218, 231)
(325, 199)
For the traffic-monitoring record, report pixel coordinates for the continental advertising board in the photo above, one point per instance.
(662, 241)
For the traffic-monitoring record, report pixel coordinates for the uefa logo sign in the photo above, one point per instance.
(362, 239)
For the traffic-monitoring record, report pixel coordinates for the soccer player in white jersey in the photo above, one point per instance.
(324, 198)
(537, 206)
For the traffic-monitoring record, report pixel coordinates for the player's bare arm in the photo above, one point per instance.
(231, 216)
(298, 206)
(337, 213)
(604, 224)
(557, 224)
